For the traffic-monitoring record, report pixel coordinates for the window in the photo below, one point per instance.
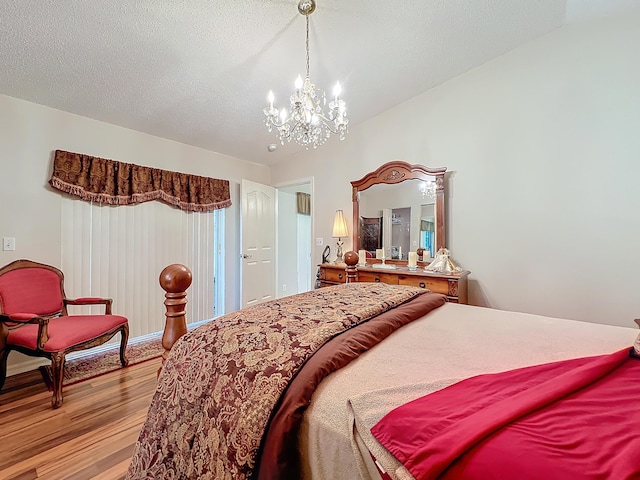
(119, 252)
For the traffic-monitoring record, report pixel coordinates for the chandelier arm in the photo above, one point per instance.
(328, 127)
(326, 123)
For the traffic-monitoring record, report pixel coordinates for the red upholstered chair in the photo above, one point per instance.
(34, 320)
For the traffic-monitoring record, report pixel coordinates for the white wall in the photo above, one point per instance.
(287, 244)
(31, 210)
(304, 271)
(543, 149)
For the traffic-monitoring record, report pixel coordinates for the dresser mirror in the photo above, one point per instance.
(399, 208)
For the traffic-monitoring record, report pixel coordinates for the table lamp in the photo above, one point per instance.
(339, 231)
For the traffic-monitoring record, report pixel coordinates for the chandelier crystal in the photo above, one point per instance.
(307, 123)
(428, 190)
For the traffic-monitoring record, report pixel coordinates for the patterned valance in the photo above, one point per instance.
(115, 183)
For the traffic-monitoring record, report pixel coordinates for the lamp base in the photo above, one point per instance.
(339, 255)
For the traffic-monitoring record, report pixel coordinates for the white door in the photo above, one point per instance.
(258, 231)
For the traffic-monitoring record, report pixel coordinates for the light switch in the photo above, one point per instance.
(8, 243)
(319, 242)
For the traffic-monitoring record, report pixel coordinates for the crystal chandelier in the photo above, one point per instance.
(428, 190)
(307, 123)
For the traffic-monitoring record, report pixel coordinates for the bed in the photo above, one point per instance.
(327, 431)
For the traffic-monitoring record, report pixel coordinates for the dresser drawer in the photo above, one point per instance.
(334, 275)
(389, 278)
(436, 285)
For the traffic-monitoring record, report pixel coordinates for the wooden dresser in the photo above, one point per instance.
(454, 286)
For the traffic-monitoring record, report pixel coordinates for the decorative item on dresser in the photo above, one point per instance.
(339, 231)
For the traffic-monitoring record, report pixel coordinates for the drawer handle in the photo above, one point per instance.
(340, 276)
(377, 279)
(422, 285)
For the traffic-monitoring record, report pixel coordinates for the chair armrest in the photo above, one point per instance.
(23, 318)
(91, 301)
(13, 319)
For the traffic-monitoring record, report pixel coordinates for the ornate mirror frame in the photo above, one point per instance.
(397, 172)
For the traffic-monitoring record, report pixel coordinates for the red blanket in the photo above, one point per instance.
(562, 420)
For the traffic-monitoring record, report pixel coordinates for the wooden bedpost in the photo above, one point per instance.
(174, 280)
(351, 258)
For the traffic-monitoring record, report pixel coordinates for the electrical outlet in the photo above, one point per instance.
(284, 287)
(8, 243)
(319, 242)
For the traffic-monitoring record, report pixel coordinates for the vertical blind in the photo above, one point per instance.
(119, 252)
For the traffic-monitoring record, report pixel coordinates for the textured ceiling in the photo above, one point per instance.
(198, 71)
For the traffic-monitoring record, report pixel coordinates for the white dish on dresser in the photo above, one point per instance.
(384, 266)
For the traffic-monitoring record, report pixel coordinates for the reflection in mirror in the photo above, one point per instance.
(398, 218)
(427, 229)
(371, 233)
(399, 208)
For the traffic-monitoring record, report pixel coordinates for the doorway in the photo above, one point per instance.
(294, 238)
(258, 241)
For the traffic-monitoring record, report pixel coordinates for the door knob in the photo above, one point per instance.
(245, 255)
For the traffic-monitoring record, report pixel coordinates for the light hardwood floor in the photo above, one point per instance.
(91, 436)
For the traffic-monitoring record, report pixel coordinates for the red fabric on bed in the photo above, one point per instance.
(562, 420)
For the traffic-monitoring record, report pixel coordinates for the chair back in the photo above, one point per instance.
(30, 287)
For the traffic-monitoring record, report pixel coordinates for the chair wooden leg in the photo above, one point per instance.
(123, 345)
(4, 353)
(57, 372)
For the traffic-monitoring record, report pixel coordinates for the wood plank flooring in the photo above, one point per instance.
(91, 436)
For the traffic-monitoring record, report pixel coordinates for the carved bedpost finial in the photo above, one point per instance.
(351, 259)
(174, 280)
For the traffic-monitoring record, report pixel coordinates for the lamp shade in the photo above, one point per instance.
(339, 225)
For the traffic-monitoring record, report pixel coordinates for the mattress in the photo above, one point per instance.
(449, 344)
